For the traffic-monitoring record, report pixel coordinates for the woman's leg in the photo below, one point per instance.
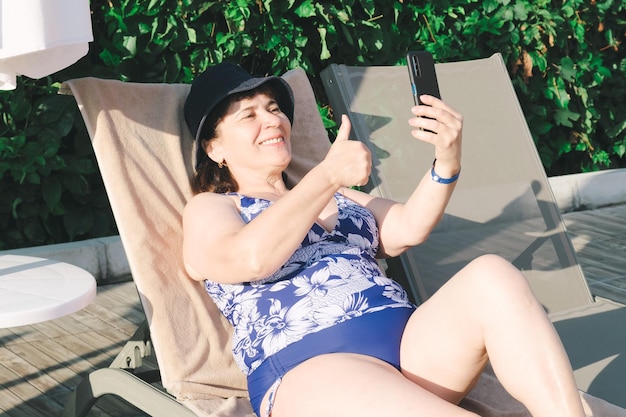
(487, 311)
(350, 385)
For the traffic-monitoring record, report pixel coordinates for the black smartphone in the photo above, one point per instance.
(422, 74)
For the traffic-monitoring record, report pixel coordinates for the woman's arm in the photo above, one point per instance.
(220, 246)
(404, 225)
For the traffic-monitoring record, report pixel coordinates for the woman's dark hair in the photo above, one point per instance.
(209, 176)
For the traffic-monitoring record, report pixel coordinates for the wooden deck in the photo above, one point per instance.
(41, 364)
(599, 237)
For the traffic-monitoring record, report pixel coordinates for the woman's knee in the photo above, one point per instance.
(493, 276)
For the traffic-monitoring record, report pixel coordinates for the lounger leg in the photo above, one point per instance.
(126, 386)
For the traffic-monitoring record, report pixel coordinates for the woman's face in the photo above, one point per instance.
(253, 134)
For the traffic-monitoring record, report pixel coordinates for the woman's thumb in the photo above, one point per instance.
(344, 130)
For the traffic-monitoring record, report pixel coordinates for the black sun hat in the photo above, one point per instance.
(217, 83)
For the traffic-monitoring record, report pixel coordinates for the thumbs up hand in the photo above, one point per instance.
(348, 161)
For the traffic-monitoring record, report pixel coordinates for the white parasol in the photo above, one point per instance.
(41, 37)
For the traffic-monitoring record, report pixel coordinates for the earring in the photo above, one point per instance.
(221, 164)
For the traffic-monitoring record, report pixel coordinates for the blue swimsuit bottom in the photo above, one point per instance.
(375, 334)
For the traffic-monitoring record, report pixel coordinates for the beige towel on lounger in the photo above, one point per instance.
(144, 151)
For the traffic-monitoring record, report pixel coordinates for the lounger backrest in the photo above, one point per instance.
(503, 203)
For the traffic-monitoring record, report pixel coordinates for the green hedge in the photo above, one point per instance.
(567, 63)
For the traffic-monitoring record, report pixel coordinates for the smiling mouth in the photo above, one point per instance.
(272, 141)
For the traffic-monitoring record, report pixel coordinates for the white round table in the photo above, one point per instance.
(36, 289)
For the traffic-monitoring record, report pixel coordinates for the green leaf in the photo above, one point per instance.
(31, 178)
(154, 7)
(306, 9)
(191, 35)
(369, 6)
(567, 69)
(343, 16)
(617, 129)
(324, 52)
(620, 149)
(541, 128)
(565, 117)
(490, 5)
(20, 108)
(520, 10)
(601, 157)
(565, 147)
(14, 207)
(51, 190)
(558, 92)
(567, 10)
(109, 58)
(75, 184)
(78, 166)
(579, 32)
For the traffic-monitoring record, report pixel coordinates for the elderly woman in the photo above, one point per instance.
(318, 329)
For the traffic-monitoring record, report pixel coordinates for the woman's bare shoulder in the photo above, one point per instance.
(207, 219)
(204, 203)
(212, 198)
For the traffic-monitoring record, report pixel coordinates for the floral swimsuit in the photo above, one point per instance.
(330, 296)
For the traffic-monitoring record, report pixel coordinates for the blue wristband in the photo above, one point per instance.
(437, 178)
